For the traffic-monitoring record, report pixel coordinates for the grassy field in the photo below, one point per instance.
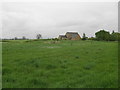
(64, 64)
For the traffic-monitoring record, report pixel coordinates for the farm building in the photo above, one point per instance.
(62, 37)
(70, 36)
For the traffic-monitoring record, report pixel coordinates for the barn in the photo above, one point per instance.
(73, 36)
(62, 37)
(70, 36)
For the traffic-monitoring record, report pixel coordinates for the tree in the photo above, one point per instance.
(102, 35)
(16, 38)
(115, 36)
(39, 36)
(84, 37)
(113, 32)
(23, 37)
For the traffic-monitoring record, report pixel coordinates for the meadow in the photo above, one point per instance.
(61, 64)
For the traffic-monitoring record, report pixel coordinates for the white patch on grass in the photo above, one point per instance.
(51, 47)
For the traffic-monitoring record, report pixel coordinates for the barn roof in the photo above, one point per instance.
(72, 33)
(62, 35)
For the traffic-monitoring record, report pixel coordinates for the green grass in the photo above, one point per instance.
(65, 64)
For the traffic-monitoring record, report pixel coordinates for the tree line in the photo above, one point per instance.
(103, 35)
(38, 36)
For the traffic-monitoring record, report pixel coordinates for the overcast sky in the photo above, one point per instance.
(53, 18)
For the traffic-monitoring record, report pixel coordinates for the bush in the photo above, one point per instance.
(5, 41)
(92, 38)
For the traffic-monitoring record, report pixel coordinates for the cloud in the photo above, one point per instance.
(52, 18)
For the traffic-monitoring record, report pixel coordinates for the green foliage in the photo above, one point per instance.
(115, 36)
(91, 38)
(102, 35)
(40, 64)
(55, 39)
(5, 40)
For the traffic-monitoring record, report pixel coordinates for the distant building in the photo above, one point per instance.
(62, 37)
(70, 36)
